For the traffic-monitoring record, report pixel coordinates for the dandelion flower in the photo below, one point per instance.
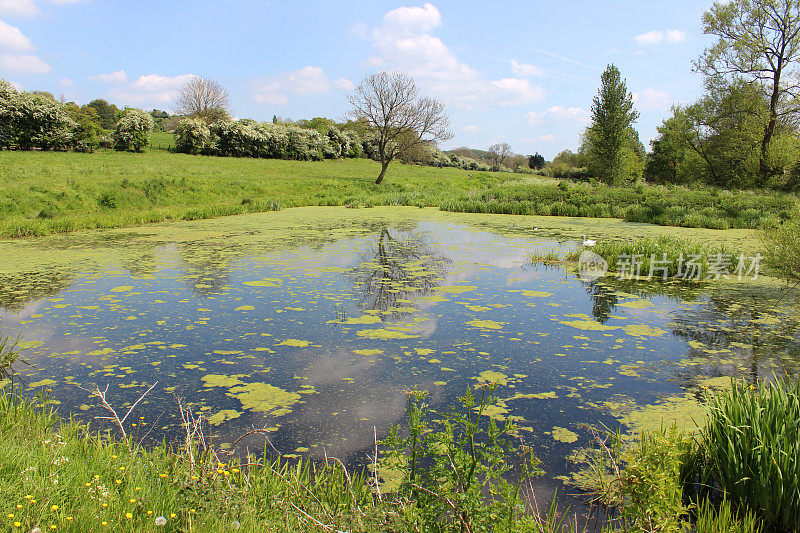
(132, 500)
(128, 516)
(172, 515)
(17, 524)
(161, 521)
(54, 508)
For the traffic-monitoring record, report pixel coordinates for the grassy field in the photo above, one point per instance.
(43, 192)
(161, 140)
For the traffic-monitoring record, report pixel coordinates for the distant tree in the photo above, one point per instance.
(204, 99)
(88, 127)
(107, 112)
(536, 162)
(613, 116)
(391, 107)
(758, 41)
(497, 154)
(133, 130)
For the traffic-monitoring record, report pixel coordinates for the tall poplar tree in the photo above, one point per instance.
(609, 134)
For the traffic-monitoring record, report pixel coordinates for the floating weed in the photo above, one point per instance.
(265, 398)
(563, 435)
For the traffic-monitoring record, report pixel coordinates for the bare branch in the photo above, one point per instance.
(390, 105)
(202, 98)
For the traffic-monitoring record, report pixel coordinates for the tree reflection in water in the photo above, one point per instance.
(395, 271)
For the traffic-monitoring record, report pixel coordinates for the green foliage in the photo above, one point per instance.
(666, 206)
(715, 141)
(782, 246)
(88, 133)
(752, 446)
(649, 486)
(454, 469)
(536, 161)
(108, 113)
(9, 355)
(722, 518)
(609, 138)
(132, 131)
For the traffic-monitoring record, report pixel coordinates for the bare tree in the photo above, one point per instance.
(390, 105)
(498, 153)
(202, 98)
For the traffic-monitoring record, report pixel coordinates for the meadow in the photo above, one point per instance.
(53, 192)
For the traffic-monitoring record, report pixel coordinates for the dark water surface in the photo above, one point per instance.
(315, 322)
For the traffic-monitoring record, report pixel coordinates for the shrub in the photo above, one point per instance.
(33, 120)
(453, 467)
(782, 246)
(192, 136)
(133, 130)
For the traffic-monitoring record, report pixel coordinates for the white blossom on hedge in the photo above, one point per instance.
(192, 136)
(133, 130)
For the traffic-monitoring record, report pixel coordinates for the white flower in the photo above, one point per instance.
(161, 521)
(235, 524)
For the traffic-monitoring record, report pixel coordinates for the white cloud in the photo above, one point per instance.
(15, 85)
(344, 83)
(66, 83)
(18, 8)
(559, 113)
(66, 2)
(658, 36)
(652, 99)
(472, 128)
(276, 90)
(117, 77)
(403, 42)
(23, 64)
(516, 91)
(151, 89)
(413, 20)
(11, 38)
(525, 69)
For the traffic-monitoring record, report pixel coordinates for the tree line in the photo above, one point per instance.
(743, 132)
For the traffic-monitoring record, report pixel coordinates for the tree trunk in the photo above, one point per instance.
(384, 166)
(763, 169)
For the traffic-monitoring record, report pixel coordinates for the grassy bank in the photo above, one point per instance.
(43, 193)
(57, 475)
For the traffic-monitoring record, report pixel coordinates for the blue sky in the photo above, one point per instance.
(521, 72)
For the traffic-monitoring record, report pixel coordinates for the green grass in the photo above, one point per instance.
(665, 206)
(161, 140)
(44, 192)
(620, 254)
(57, 475)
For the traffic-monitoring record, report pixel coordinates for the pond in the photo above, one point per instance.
(315, 322)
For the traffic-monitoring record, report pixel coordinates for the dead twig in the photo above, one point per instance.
(101, 395)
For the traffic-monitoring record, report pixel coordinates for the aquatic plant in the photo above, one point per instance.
(667, 256)
(752, 445)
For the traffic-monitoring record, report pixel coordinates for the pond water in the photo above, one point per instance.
(314, 323)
